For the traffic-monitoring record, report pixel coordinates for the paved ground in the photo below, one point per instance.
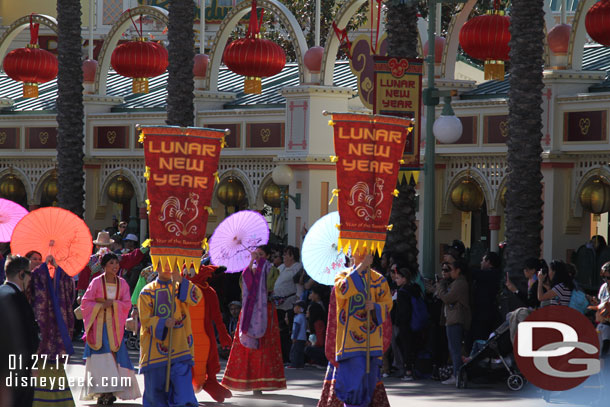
(304, 387)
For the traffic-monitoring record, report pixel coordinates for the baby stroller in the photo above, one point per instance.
(493, 361)
(132, 334)
(132, 340)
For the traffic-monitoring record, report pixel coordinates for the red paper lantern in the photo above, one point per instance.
(597, 22)
(559, 39)
(200, 66)
(486, 38)
(139, 60)
(89, 68)
(313, 59)
(439, 46)
(254, 57)
(31, 65)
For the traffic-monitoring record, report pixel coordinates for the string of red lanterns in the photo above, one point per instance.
(139, 59)
(486, 38)
(31, 65)
(597, 22)
(254, 57)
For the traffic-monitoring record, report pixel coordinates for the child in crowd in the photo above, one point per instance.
(299, 336)
(316, 318)
(233, 317)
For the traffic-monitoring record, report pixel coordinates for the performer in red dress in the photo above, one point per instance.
(255, 362)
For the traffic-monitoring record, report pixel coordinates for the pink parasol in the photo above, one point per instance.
(10, 214)
(236, 237)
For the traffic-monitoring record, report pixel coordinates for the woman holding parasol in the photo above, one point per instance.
(255, 362)
(105, 307)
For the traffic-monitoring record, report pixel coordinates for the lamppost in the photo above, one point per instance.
(282, 175)
(431, 97)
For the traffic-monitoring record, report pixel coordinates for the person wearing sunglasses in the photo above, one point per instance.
(21, 323)
(456, 312)
(446, 271)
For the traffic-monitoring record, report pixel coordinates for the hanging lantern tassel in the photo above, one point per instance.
(335, 193)
(30, 90)
(139, 85)
(252, 85)
(494, 70)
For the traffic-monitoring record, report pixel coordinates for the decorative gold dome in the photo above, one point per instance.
(503, 197)
(12, 188)
(272, 195)
(120, 190)
(595, 196)
(467, 196)
(49, 189)
(231, 192)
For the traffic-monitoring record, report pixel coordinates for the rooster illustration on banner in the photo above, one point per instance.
(180, 220)
(366, 203)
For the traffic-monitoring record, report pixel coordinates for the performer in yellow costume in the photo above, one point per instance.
(154, 306)
(354, 385)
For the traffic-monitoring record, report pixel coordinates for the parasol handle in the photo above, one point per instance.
(171, 330)
(368, 321)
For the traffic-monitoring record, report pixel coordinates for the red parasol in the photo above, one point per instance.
(56, 232)
(10, 214)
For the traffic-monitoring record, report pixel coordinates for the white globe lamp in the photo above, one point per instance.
(447, 128)
(282, 175)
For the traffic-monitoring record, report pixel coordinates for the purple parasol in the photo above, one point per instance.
(10, 214)
(236, 237)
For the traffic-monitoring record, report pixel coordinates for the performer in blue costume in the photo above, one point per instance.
(353, 384)
(154, 305)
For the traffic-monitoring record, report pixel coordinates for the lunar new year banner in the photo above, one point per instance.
(398, 93)
(368, 152)
(181, 165)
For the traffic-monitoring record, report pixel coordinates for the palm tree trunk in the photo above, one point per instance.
(401, 26)
(181, 49)
(70, 111)
(524, 188)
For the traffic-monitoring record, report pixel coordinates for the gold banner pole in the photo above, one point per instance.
(368, 321)
(171, 330)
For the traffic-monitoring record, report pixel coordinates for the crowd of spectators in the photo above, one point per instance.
(435, 322)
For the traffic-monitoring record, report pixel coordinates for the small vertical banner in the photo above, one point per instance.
(398, 92)
(368, 152)
(181, 166)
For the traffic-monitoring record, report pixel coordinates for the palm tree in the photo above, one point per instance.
(181, 49)
(401, 26)
(524, 188)
(70, 111)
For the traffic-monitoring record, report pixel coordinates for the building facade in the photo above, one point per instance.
(285, 125)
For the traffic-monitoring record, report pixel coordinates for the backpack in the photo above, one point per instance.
(578, 301)
(419, 314)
